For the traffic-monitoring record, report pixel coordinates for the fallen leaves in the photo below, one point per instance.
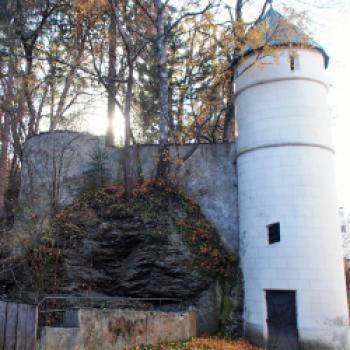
(203, 344)
(219, 344)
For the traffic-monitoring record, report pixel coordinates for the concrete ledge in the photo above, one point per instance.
(58, 338)
(330, 338)
(327, 338)
(119, 330)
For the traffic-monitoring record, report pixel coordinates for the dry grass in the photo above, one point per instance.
(203, 344)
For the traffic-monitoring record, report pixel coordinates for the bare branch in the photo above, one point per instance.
(189, 14)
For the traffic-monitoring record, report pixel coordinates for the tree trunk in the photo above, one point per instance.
(129, 49)
(52, 103)
(238, 10)
(27, 82)
(112, 75)
(3, 163)
(164, 162)
(127, 108)
(230, 117)
(5, 136)
(229, 122)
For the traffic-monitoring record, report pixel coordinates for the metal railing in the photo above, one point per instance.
(63, 310)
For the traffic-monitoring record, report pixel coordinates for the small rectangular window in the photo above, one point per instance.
(343, 228)
(274, 233)
(292, 62)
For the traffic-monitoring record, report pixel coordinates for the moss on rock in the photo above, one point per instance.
(156, 244)
(158, 210)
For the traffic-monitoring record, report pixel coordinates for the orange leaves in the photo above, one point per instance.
(86, 6)
(204, 250)
(89, 10)
(219, 344)
(142, 188)
(201, 234)
(116, 189)
(211, 256)
(215, 253)
(202, 344)
(119, 190)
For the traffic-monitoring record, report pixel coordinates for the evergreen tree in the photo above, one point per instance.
(98, 173)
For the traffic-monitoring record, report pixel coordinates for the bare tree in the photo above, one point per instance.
(131, 55)
(7, 108)
(112, 75)
(158, 20)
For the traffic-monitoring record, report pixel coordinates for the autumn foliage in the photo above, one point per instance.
(203, 344)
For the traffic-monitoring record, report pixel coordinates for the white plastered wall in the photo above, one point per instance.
(286, 174)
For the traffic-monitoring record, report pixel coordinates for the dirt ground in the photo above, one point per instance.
(203, 344)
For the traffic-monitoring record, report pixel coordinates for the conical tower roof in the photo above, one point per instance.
(279, 32)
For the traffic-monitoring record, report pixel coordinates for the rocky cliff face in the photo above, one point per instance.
(156, 245)
(126, 251)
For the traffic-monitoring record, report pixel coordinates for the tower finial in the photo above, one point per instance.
(271, 3)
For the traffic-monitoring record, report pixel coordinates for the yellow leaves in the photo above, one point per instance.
(86, 8)
(209, 16)
(256, 37)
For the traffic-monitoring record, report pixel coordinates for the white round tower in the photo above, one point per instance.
(290, 241)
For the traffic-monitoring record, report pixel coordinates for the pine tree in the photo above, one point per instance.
(98, 173)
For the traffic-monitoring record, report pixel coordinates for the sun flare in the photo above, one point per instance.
(96, 123)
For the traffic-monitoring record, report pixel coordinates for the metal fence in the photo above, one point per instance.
(20, 323)
(62, 311)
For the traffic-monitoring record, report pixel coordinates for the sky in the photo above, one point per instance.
(336, 41)
(328, 22)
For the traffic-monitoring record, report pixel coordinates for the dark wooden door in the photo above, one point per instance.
(282, 320)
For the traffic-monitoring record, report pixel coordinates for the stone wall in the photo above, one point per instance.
(54, 165)
(119, 330)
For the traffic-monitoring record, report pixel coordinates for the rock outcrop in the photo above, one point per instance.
(156, 245)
